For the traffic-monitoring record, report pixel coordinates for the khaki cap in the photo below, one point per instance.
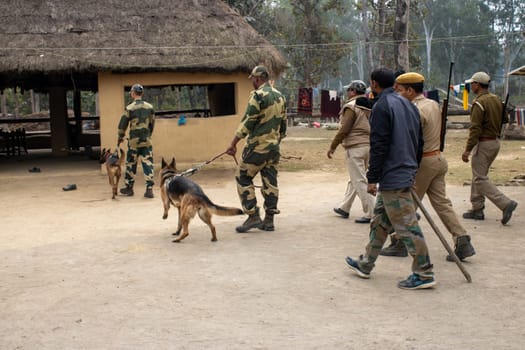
(410, 78)
(479, 77)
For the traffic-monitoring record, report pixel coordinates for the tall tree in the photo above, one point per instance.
(401, 35)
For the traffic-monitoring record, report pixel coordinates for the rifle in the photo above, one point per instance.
(504, 116)
(444, 112)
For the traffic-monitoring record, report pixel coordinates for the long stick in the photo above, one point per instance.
(444, 112)
(440, 236)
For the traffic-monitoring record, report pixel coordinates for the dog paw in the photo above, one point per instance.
(164, 217)
(176, 241)
(176, 233)
(214, 239)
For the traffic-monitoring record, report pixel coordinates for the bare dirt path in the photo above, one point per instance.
(81, 271)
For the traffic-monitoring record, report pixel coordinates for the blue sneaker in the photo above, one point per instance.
(415, 282)
(354, 265)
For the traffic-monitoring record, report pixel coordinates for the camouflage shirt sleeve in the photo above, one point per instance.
(249, 120)
(123, 125)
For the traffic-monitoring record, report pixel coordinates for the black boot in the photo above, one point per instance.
(254, 220)
(148, 193)
(127, 191)
(463, 248)
(267, 224)
(396, 248)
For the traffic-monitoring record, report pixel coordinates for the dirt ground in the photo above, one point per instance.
(81, 271)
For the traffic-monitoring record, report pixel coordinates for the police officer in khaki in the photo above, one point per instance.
(483, 144)
(430, 177)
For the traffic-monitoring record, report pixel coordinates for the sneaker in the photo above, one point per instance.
(415, 282)
(341, 212)
(396, 248)
(253, 221)
(463, 249)
(474, 214)
(362, 220)
(127, 191)
(354, 265)
(507, 212)
(148, 193)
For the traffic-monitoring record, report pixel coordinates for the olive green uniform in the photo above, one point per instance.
(140, 118)
(263, 126)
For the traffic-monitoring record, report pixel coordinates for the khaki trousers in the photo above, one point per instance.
(430, 180)
(357, 163)
(483, 155)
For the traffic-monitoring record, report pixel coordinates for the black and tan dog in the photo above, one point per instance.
(189, 198)
(113, 163)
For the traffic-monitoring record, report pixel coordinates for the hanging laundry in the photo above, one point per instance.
(304, 103)
(329, 107)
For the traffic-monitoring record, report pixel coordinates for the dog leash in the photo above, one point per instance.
(192, 171)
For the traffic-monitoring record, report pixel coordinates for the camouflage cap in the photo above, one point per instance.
(137, 88)
(259, 71)
(357, 85)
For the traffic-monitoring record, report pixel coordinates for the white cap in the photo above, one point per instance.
(479, 77)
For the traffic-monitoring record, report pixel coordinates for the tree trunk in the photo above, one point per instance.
(401, 35)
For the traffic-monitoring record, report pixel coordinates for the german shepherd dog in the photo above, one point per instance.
(113, 165)
(189, 198)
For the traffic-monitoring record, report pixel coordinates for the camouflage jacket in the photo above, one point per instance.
(140, 117)
(264, 122)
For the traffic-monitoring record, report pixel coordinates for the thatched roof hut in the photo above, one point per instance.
(67, 42)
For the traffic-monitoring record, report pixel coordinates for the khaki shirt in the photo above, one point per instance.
(430, 114)
(485, 118)
(354, 127)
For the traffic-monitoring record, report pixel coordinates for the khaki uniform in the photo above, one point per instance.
(485, 126)
(430, 177)
(354, 136)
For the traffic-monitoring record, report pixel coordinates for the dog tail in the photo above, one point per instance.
(225, 211)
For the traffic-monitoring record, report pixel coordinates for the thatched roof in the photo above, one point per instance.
(78, 38)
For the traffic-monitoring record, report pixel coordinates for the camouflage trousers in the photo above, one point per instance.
(146, 157)
(251, 164)
(395, 211)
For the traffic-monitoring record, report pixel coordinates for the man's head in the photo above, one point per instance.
(356, 87)
(410, 85)
(259, 76)
(479, 81)
(136, 91)
(381, 79)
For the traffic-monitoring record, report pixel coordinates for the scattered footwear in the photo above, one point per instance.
(341, 212)
(253, 221)
(415, 282)
(362, 220)
(34, 170)
(396, 248)
(70, 187)
(507, 212)
(475, 215)
(127, 191)
(354, 265)
(148, 193)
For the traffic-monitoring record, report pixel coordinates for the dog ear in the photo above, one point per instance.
(163, 163)
(172, 164)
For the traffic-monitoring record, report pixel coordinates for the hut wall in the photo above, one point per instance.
(198, 140)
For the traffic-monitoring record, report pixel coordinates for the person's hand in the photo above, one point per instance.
(119, 141)
(329, 153)
(372, 189)
(232, 150)
(465, 156)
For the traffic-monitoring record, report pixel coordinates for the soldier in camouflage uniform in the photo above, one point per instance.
(485, 127)
(264, 126)
(139, 117)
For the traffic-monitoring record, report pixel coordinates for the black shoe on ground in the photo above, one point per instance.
(463, 249)
(253, 221)
(507, 212)
(474, 215)
(148, 193)
(127, 191)
(344, 214)
(396, 248)
(354, 265)
(415, 282)
(362, 220)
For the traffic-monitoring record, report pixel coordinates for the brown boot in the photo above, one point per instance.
(254, 220)
(396, 248)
